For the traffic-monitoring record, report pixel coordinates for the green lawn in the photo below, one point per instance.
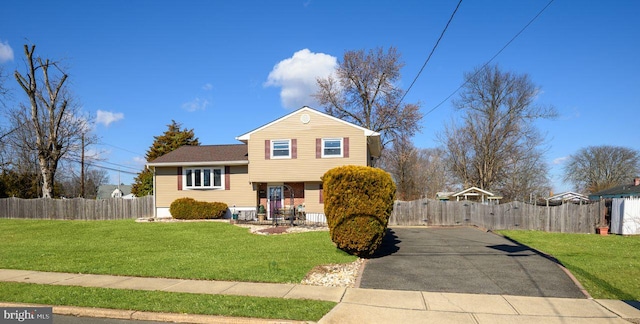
(190, 250)
(158, 301)
(607, 266)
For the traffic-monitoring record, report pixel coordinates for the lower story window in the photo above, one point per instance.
(203, 178)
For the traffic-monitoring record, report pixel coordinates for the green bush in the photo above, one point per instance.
(358, 201)
(189, 208)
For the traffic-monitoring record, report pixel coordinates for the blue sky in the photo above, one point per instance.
(226, 67)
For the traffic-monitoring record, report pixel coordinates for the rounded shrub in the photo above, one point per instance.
(181, 208)
(189, 208)
(358, 201)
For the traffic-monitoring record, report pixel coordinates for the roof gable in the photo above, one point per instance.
(444, 195)
(569, 195)
(204, 154)
(472, 190)
(245, 137)
(105, 191)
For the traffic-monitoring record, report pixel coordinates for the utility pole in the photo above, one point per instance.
(82, 170)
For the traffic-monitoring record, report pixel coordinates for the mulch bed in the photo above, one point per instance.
(274, 230)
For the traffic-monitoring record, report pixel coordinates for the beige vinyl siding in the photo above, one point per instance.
(241, 193)
(305, 167)
(312, 198)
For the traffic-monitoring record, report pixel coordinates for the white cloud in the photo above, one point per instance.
(560, 160)
(139, 161)
(297, 77)
(195, 105)
(572, 115)
(207, 87)
(6, 52)
(108, 117)
(93, 152)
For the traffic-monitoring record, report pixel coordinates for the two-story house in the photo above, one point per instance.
(278, 165)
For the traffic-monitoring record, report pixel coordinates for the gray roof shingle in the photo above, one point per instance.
(628, 190)
(204, 153)
(104, 191)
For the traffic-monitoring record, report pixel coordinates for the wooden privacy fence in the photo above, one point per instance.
(76, 208)
(566, 218)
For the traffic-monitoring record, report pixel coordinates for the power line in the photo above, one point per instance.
(102, 166)
(120, 148)
(109, 168)
(432, 51)
(76, 159)
(120, 165)
(491, 59)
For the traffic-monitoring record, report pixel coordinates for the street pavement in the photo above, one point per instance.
(464, 260)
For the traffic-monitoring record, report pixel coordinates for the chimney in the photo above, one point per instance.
(636, 181)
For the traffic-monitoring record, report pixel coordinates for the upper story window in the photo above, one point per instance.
(281, 149)
(203, 178)
(332, 147)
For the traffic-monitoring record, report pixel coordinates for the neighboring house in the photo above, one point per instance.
(624, 191)
(444, 195)
(568, 196)
(470, 194)
(278, 165)
(113, 191)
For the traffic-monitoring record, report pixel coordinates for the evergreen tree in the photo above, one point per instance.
(173, 138)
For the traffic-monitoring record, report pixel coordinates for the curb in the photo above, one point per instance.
(573, 278)
(356, 284)
(150, 316)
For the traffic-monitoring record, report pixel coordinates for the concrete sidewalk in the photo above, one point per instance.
(355, 305)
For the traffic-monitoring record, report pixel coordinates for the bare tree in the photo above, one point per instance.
(20, 146)
(435, 176)
(526, 177)
(4, 94)
(4, 91)
(364, 92)
(72, 184)
(496, 138)
(418, 173)
(51, 115)
(597, 168)
(20, 153)
(401, 161)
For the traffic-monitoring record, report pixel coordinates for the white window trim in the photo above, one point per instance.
(184, 178)
(281, 156)
(324, 140)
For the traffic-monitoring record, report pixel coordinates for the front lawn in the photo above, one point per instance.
(607, 266)
(188, 250)
(166, 302)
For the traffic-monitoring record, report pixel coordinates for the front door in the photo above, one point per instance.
(274, 200)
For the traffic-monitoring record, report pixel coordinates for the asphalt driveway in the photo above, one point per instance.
(463, 260)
